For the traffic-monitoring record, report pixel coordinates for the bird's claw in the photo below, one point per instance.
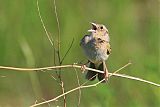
(106, 75)
(83, 68)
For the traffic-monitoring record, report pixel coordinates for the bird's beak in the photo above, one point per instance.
(94, 27)
(93, 24)
(91, 30)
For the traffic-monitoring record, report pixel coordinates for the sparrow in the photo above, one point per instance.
(97, 49)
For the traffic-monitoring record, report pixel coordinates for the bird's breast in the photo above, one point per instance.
(95, 50)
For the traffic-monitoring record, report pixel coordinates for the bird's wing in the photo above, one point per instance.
(108, 48)
(85, 39)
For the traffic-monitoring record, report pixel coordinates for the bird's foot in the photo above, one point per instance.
(106, 75)
(83, 68)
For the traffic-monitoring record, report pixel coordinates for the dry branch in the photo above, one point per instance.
(93, 85)
(79, 66)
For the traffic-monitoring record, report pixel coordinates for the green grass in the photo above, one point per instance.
(134, 31)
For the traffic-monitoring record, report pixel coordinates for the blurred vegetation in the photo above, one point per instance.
(134, 32)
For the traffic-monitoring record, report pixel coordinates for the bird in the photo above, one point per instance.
(97, 49)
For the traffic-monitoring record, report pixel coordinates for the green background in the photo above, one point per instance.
(134, 32)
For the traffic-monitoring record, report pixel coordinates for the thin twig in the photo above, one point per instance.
(39, 13)
(78, 81)
(81, 87)
(58, 53)
(78, 66)
(137, 79)
(120, 69)
(47, 103)
(48, 68)
(78, 88)
(59, 31)
(58, 25)
(63, 91)
(67, 51)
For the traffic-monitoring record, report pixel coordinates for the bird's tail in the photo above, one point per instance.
(101, 76)
(91, 75)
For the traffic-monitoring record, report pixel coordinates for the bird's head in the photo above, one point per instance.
(99, 31)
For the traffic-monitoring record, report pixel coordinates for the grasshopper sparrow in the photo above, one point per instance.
(97, 49)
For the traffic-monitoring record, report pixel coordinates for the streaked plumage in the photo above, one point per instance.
(97, 49)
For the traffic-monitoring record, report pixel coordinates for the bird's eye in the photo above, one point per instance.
(101, 27)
